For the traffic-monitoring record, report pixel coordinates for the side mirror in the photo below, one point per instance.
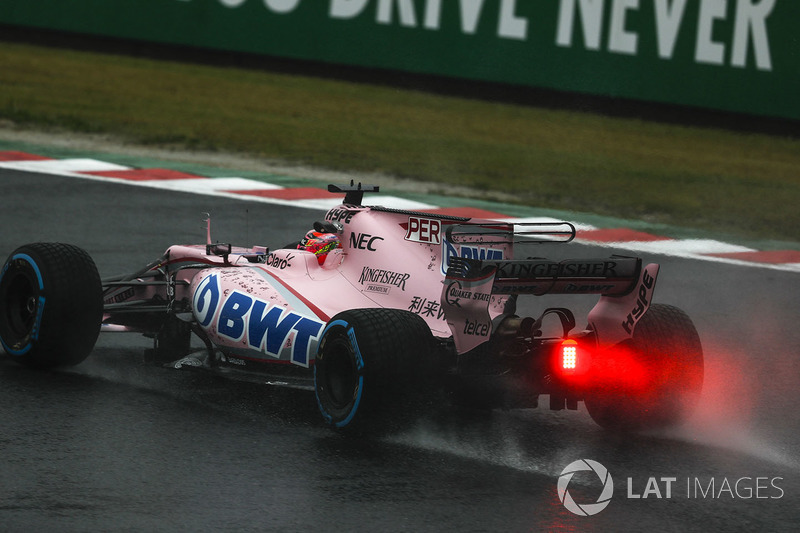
(220, 249)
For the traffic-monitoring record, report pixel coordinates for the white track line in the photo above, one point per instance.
(226, 187)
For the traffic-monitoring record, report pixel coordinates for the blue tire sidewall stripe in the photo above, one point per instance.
(28, 259)
(33, 264)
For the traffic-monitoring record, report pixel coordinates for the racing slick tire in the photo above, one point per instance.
(374, 369)
(659, 374)
(51, 305)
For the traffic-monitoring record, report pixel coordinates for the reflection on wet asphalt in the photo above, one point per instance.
(115, 444)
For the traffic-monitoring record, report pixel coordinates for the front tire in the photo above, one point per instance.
(51, 305)
(373, 369)
(652, 381)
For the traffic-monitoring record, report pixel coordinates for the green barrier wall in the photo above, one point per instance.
(733, 55)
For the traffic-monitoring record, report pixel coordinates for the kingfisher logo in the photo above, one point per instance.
(585, 509)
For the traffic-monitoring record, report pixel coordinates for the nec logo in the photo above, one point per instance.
(364, 241)
(424, 230)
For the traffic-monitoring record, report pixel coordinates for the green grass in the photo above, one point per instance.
(742, 184)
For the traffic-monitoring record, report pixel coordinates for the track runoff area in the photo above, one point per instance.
(318, 198)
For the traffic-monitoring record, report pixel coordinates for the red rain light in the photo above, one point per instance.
(569, 355)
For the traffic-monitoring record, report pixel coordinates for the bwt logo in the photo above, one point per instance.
(450, 250)
(205, 300)
(585, 509)
(255, 324)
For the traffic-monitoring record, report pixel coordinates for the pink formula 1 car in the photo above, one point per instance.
(378, 311)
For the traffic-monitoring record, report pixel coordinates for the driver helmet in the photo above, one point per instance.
(320, 243)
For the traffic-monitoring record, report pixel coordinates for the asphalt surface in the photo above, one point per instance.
(114, 444)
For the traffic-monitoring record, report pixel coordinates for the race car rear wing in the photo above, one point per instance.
(614, 276)
(471, 285)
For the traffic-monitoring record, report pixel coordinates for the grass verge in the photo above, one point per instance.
(743, 184)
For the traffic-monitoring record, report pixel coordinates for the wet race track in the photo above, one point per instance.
(115, 444)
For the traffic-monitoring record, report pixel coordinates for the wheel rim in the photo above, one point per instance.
(21, 304)
(340, 378)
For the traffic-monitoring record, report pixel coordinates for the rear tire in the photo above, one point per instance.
(373, 370)
(51, 305)
(652, 381)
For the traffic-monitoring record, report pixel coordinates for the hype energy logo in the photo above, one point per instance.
(591, 508)
(450, 250)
